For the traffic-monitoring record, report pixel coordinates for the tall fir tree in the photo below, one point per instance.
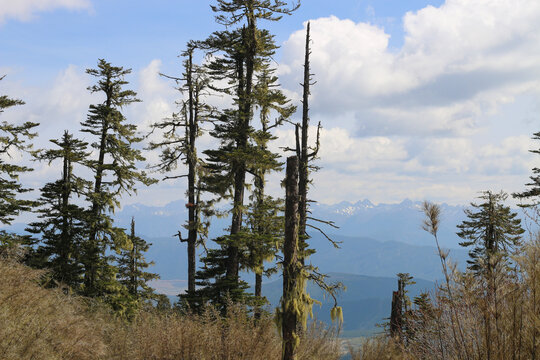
(179, 145)
(115, 173)
(240, 54)
(493, 230)
(62, 222)
(13, 138)
(132, 267)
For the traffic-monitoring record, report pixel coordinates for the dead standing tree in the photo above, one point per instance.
(306, 155)
(291, 268)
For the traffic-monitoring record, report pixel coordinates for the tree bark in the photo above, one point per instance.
(303, 178)
(90, 280)
(290, 261)
(192, 221)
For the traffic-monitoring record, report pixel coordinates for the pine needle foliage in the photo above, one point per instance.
(115, 173)
(131, 268)
(239, 57)
(62, 223)
(14, 139)
(493, 229)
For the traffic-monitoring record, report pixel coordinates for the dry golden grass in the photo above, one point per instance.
(38, 323)
(210, 337)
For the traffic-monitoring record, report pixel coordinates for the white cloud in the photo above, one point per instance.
(157, 94)
(25, 10)
(437, 118)
(458, 63)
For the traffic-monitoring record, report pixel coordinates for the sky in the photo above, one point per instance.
(418, 99)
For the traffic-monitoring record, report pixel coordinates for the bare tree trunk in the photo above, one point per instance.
(192, 223)
(396, 315)
(303, 177)
(290, 261)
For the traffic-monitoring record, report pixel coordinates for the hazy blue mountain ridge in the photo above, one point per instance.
(384, 222)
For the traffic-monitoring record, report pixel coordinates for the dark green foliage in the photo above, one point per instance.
(264, 228)
(242, 57)
(534, 186)
(232, 12)
(401, 309)
(215, 288)
(61, 224)
(492, 229)
(131, 268)
(264, 219)
(13, 139)
(115, 173)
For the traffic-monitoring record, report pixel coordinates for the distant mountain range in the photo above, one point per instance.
(356, 256)
(376, 240)
(384, 222)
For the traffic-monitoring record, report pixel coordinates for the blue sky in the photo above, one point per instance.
(418, 99)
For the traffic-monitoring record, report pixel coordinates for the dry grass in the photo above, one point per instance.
(38, 323)
(380, 348)
(210, 337)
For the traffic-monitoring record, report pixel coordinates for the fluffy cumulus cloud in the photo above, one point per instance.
(26, 9)
(426, 115)
(457, 61)
(157, 94)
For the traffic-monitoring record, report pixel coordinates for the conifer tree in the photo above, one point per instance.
(13, 138)
(533, 193)
(241, 53)
(179, 145)
(214, 287)
(493, 229)
(62, 222)
(131, 268)
(115, 173)
(264, 219)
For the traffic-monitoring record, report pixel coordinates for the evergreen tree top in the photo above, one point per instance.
(492, 228)
(13, 137)
(234, 11)
(70, 147)
(533, 193)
